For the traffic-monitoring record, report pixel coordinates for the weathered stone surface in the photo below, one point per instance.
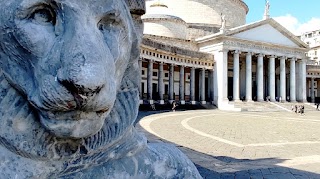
(69, 80)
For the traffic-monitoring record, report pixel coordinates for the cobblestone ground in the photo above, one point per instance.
(241, 144)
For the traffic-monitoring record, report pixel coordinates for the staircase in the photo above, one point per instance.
(257, 106)
(307, 106)
(271, 106)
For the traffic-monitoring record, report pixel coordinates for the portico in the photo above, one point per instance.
(260, 62)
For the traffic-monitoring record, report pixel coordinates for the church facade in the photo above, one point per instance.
(214, 57)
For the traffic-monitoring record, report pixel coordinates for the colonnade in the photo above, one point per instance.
(182, 82)
(272, 79)
(313, 86)
(270, 92)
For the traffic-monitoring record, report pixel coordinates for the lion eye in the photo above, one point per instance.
(44, 16)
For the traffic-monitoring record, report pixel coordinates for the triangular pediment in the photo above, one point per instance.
(267, 31)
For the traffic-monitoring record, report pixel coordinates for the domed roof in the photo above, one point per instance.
(159, 20)
(159, 10)
(202, 12)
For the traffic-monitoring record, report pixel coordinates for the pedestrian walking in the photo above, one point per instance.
(174, 105)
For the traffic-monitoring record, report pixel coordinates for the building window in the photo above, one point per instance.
(188, 77)
(315, 52)
(166, 75)
(155, 73)
(142, 72)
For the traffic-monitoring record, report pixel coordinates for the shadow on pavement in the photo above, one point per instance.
(224, 167)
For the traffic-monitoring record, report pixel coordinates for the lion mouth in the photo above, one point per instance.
(73, 124)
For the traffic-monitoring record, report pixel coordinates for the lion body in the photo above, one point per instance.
(69, 97)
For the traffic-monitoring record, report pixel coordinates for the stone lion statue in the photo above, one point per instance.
(69, 80)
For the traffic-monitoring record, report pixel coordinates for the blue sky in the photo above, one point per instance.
(297, 15)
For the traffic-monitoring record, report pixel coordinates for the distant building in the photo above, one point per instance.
(312, 38)
(204, 52)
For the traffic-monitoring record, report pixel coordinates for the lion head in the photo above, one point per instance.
(69, 75)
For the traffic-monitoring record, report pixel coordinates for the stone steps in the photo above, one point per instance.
(307, 106)
(257, 106)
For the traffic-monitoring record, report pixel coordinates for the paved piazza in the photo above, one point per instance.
(242, 144)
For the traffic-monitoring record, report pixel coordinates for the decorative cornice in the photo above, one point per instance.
(162, 17)
(175, 50)
(260, 48)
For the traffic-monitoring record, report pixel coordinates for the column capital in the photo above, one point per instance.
(249, 53)
(224, 50)
(271, 56)
(283, 57)
(260, 55)
(293, 59)
(236, 52)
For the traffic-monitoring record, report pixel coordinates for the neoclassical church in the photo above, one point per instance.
(202, 51)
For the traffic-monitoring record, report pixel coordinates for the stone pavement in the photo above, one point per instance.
(241, 144)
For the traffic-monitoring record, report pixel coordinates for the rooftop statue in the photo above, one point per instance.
(266, 10)
(69, 80)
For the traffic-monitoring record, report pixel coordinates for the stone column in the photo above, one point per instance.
(181, 85)
(212, 85)
(209, 86)
(171, 83)
(220, 78)
(312, 90)
(293, 80)
(140, 86)
(203, 86)
(318, 88)
(236, 76)
(303, 79)
(149, 81)
(160, 83)
(192, 86)
(283, 79)
(260, 91)
(243, 80)
(249, 76)
(272, 78)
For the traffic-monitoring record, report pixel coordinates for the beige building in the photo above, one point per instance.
(312, 38)
(214, 57)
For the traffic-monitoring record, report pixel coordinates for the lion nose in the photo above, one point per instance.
(78, 86)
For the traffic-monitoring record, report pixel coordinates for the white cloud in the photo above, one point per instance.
(292, 24)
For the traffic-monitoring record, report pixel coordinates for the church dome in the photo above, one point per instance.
(208, 12)
(160, 21)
